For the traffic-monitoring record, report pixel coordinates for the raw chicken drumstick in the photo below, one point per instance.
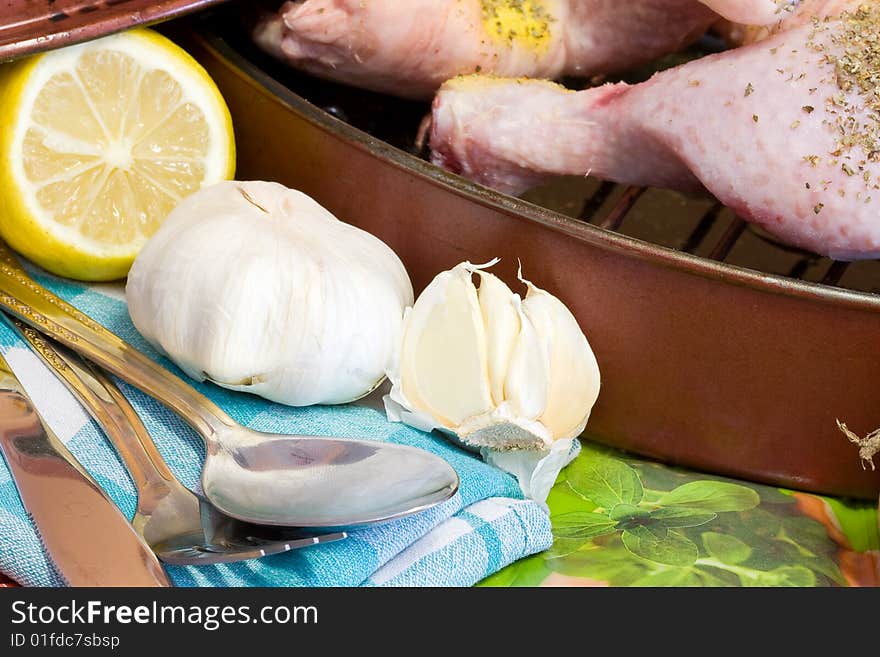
(410, 47)
(786, 132)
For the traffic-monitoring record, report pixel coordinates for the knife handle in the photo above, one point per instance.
(111, 410)
(78, 524)
(36, 306)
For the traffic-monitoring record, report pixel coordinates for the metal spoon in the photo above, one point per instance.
(302, 481)
(180, 526)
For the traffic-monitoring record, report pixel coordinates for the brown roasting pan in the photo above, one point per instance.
(718, 367)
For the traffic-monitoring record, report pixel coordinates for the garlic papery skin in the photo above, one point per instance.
(258, 288)
(495, 370)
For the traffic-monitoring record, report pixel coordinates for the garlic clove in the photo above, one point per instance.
(574, 378)
(515, 379)
(443, 366)
(501, 317)
(528, 377)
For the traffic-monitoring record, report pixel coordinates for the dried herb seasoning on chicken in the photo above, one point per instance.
(807, 170)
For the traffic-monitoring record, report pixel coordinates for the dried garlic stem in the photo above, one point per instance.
(868, 446)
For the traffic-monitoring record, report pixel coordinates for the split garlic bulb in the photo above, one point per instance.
(496, 370)
(257, 287)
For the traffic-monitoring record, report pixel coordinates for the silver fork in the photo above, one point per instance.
(180, 526)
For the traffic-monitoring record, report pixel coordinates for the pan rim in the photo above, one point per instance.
(69, 23)
(520, 209)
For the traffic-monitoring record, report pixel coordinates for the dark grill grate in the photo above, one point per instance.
(700, 227)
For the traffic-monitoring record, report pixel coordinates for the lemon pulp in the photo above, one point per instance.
(104, 139)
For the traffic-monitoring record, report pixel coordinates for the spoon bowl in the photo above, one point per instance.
(325, 482)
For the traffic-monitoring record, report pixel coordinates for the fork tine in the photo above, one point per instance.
(275, 546)
(204, 555)
(239, 550)
(305, 540)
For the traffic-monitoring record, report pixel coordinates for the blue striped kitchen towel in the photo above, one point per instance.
(484, 527)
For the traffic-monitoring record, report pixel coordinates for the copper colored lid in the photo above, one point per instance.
(30, 26)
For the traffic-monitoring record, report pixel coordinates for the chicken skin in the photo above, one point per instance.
(786, 132)
(410, 47)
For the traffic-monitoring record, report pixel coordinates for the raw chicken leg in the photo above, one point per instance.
(410, 47)
(786, 132)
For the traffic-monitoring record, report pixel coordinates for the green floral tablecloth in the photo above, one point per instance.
(624, 521)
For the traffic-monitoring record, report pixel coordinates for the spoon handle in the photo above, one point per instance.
(37, 307)
(110, 409)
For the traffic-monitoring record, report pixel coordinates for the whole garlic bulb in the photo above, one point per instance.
(496, 370)
(257, 287)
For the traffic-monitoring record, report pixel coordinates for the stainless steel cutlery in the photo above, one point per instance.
(290, 480)
(180, 526)
(85, 535)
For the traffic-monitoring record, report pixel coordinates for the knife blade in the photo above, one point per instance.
(87, 538)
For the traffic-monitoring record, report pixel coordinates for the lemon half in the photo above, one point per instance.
(98, 142)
